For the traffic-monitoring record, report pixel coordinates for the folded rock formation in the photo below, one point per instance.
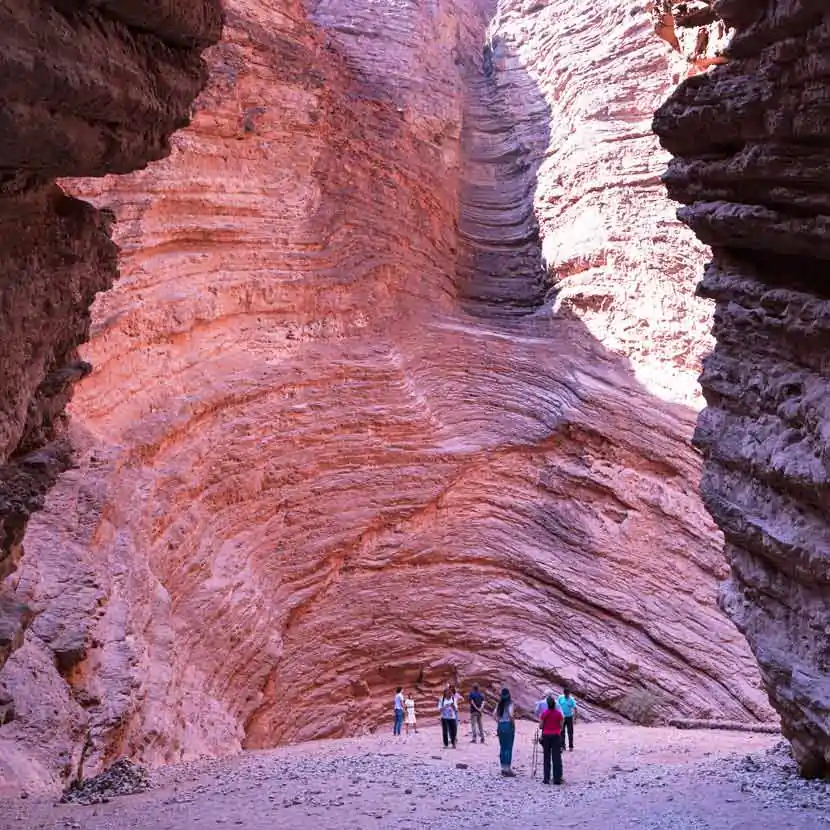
(752, 145)
(397, 387)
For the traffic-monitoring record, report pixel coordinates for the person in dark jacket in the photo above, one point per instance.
(476, 699)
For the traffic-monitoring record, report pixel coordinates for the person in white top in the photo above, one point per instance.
(409, 707)
(398, 706)
(542, 705)
(448, 709)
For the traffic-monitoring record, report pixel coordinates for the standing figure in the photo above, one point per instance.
(476, 699)
(542, 704)
(396, 729)
(409, 705)
(551, 721)
(567, 705)
(448, 708)
(506, 731)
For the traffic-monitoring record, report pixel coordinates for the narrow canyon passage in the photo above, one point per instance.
(341, 435)
(504, 136)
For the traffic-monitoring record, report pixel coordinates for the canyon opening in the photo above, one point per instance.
(354, 346)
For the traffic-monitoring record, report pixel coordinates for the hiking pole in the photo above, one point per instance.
(535, 762)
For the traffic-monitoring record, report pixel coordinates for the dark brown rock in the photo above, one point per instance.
(85, 94)
(752, 144)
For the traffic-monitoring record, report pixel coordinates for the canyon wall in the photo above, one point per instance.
(85, 89)
(397, 386)
(751, 143)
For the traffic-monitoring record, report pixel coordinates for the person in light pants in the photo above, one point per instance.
(411, 720)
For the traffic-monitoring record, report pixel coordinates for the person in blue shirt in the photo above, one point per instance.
(567, 705)
(398, 704)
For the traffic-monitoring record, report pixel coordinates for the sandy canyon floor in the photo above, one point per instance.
(617, 778)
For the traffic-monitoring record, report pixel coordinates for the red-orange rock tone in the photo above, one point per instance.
(751, 158)
(85, 89)
(395, 387)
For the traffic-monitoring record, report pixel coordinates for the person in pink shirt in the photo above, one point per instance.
(551, 721)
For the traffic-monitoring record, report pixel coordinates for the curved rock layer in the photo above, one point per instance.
(355, 419)
(752, 145)
(85, 89)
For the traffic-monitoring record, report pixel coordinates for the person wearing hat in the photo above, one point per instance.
(506, 731)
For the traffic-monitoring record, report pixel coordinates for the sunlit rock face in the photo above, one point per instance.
(394, 389)
(85, 89)
(751, 154)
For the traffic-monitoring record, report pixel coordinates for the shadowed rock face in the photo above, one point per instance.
(382, 398)
(751, 165)
(85, 89)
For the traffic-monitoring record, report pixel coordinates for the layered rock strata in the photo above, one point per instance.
(694, 31)
(371, 404)
(85, 89)
(752, 145)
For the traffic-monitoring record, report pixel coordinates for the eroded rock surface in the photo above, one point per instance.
(85, 89)
(752, 144)
(383, 396)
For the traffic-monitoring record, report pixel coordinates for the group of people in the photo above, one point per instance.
(554, 714)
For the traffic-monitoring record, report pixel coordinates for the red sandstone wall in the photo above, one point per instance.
(392, 389)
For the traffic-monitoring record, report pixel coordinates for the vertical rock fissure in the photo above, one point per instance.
(500, 271)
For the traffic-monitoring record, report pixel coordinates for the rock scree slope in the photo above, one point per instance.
(397, 385)
(751, 143)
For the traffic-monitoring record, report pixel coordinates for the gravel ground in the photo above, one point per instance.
(618, 778)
